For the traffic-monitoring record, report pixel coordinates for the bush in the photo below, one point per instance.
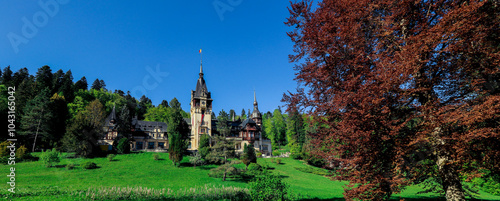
(123, 146)
(70, 166)
(225, 171)
(204, 146)
(21, 152)
(196, 159)
(89, 165)
(156, 156)
(315, 161)
(276, 153)
(278, 161)
(270, 187)
(111, 157)
(258, 154)
(49, 157)
(254, 167)
(4, 151)
(296, 156)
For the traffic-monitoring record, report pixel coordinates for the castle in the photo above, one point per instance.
(152, 136)
(243, 132)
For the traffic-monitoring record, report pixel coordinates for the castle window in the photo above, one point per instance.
(161, 145)
(151, 145)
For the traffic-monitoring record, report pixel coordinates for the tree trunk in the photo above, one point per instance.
(449, 176)
(36, 134)
(224, 176)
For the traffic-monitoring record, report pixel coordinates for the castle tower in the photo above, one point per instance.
(201, 111)
(256, 116)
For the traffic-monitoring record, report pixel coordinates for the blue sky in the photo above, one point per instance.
(152, 47)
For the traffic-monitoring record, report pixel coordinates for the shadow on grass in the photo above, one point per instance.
(205, 167)
(184, 164)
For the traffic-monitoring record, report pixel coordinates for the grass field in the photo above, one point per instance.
(36, 182)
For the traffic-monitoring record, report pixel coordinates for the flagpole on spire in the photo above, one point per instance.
(201, 64)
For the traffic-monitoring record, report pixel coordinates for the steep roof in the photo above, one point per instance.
(246, 121)
(111, 119)
(150, 126)
(201, 88)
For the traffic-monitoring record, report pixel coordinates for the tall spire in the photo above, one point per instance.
(254, 98)
(201, 64)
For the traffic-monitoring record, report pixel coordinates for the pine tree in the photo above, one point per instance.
(96, 85)
(7, 76)
(164, 103)
(59, 109)
(178, 136)
(81, 84)
(36, 120)
(67, 87)
(222, 123)
(44, 79)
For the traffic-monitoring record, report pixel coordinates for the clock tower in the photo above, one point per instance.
(201, 111)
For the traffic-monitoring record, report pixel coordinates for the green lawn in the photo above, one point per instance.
(140, 170)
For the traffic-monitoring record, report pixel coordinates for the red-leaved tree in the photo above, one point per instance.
(405, 91)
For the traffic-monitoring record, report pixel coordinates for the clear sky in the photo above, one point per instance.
(151, 47)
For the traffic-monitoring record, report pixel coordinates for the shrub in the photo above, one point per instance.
(89, 165)
(270, 187)
(226, 170)
(315, 160)
(196, 159)
(49, 157)
(258, 154)
(70, 166)
(254, 167)
(296, 156)
(204, 146)
(4, 151)
(276, 153)
(111, 157)
(278, 161)
(156, 156)
(21, 152)
(123, 146)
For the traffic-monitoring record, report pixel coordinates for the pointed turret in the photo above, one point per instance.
(112, 116)
(201, 68)
(201, 87)
(256, 116)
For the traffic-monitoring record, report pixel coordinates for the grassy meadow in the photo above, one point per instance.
(140, 170)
